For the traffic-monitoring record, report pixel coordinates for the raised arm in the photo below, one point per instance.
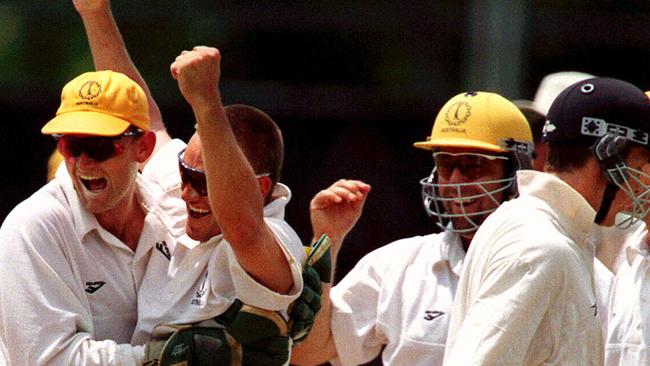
(110, 53)
(334, 211)
(233, 190)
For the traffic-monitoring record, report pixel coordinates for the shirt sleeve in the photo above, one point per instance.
(45, 318)
(251, 292)
(507, 304)
(354, 313)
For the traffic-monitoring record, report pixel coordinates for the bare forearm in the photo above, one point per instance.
(319, 346)
(232, 188)
(236, 201)
(110, 53)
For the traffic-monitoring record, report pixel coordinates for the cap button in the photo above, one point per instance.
(587, 88)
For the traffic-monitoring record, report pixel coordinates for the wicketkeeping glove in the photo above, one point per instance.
(317, 268)
(269, 351)
(242, 335)
(205, 343)
(261, 333)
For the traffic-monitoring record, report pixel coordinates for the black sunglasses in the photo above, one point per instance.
(192, 176)
(196, 177)
(96, 148)
(472, 165)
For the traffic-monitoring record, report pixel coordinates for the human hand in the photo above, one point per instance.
(198, 72)
(302, 312)
(88, 6)
(334, 211)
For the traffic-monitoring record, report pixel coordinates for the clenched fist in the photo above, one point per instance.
(89, 6)
(197, 72)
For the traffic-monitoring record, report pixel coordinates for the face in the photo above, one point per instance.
(104, 178)
(462, 175)
(637, 184)
(201, 224)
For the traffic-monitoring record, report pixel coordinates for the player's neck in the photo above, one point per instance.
(587, 180)
(124, 221)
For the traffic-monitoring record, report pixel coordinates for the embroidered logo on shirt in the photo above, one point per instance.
(91, 287)
(595, 307)
(433, 314)
(197, 300)
(162, 247)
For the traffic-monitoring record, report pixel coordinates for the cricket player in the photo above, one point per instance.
(397, 300)
(526, 294)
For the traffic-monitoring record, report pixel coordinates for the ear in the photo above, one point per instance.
(266, 186)
(146, 145)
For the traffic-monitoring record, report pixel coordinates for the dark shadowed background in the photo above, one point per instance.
(352, 84)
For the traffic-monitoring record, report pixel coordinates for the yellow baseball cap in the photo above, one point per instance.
(480, 120)
(100, 103)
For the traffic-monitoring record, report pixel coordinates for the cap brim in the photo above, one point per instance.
(85, 123)
(457, 142)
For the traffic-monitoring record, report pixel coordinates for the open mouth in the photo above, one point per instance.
(93, 183)
(196, 212)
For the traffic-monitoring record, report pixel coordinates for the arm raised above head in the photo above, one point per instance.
(110, 53)
(233, 189)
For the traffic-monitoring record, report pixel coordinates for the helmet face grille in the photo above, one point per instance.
(466, 220)
(626, 178)
(478, 123)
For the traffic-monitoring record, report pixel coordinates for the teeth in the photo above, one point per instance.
(198, 210)
(89, 177)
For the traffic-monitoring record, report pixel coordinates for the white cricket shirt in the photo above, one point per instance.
(201, 280)
(526, 294)
(398, 297)
(628, 336)
(68, 294)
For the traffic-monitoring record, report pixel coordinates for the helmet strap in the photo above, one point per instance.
(606, 202)
(609, 150)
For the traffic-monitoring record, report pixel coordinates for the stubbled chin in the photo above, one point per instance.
(201, 229)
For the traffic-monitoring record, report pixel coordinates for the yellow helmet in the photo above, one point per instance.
(480, 120)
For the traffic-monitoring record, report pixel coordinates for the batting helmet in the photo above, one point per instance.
(478, 121)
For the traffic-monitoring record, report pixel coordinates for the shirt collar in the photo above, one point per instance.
(281, 196)
(451, 250)
(572, 212)
(638, 245)
(84, 221)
